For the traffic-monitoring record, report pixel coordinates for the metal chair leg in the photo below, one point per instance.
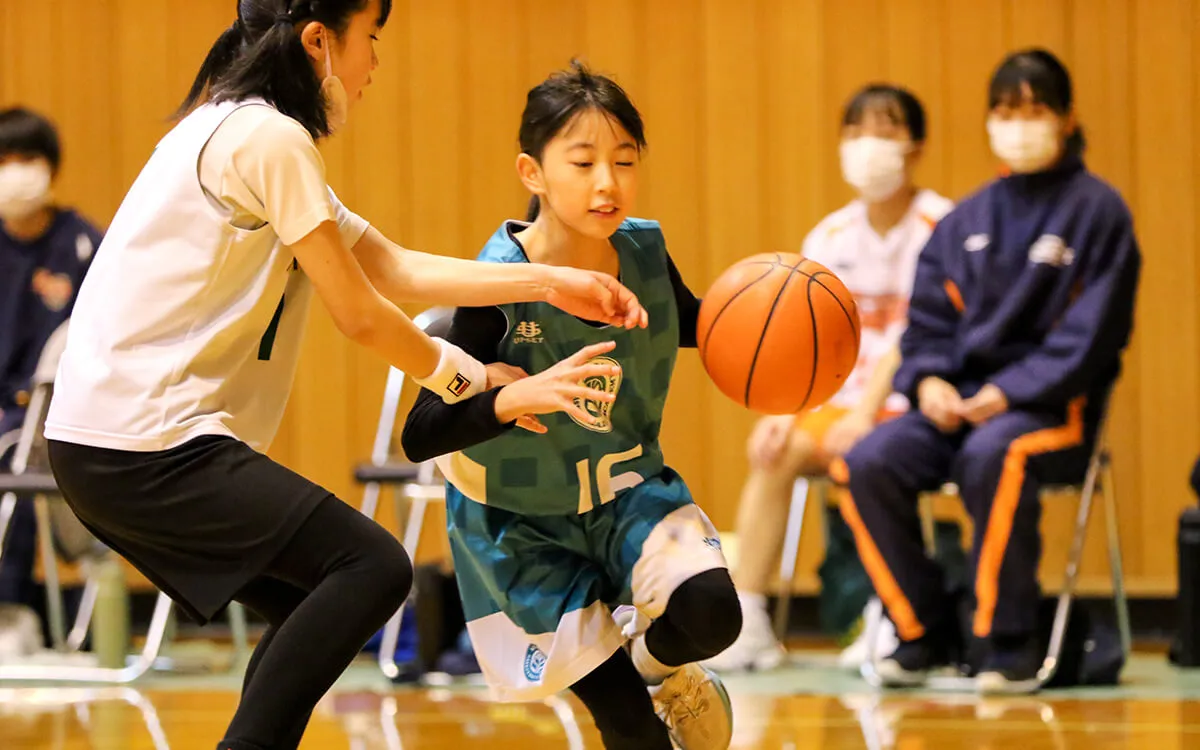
(1062, 612)
(8, 506)
(791, 548)
(1120, 602)
(412, 537)
(370, 501)
(54, 597)
(925, 512)
(237, 632)
(83, 618)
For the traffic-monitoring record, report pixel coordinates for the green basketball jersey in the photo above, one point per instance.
(574, 468)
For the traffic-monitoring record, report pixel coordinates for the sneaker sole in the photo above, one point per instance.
(994, 683)
(892, 674)
(719, 686)
(724, 696)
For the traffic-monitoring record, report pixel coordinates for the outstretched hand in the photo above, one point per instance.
(594, 296)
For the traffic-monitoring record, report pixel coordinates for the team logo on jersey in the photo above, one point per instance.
(712, 542)
(527, 332)
(1052, 251)
(55, 289)
(601, 411)
(976, 242)
(535, 663)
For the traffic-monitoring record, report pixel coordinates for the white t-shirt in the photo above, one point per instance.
(190, 320)
(879, 272)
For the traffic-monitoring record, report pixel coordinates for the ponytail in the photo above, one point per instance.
(218, 61)
(261, 57)
(535, 207)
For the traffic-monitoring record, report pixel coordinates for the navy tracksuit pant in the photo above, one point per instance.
(998, 467)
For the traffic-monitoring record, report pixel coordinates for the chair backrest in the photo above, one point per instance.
(72, 540)
(30, 453)
(394, 390)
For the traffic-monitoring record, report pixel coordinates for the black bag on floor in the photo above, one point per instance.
(1091, 650)
(1185, 650)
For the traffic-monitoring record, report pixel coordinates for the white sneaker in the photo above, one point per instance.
(755, 649)
(855, 655)
(695, 707)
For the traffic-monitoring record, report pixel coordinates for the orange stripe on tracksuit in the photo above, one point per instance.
(956, 298)
(899, 607)
(1004, 507)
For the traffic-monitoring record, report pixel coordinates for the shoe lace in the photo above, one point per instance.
(689, 702)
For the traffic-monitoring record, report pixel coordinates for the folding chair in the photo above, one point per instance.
(415, 483)
(30, 474)
(1097, 477)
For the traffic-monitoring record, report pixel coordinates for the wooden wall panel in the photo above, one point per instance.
(672, 192)
(742, 102)
(1164, 144)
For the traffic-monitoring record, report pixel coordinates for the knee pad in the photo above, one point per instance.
(706, 607)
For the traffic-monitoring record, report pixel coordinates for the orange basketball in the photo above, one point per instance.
(778, 333)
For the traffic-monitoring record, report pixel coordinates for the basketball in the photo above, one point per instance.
(778, 333)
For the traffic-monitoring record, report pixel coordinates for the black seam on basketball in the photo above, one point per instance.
(713, 325)
(792, 271)
(849, 317)
(812, 378)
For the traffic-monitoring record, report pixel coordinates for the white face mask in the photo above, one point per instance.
(24, 188)
(1024, 145)
(334, 92)
(874, 166)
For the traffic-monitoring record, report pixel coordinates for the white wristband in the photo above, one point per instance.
(457, 376)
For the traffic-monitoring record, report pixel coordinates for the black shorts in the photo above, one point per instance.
(200, 520)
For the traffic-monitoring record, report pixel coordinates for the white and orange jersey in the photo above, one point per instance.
(878, 271)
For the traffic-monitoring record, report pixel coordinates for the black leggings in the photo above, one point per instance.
(334, 585)
(701, 620)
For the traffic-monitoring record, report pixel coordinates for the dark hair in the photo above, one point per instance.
(898, 103)
(554, 103)
(1048, 80)
(25, 132)
(261, 55)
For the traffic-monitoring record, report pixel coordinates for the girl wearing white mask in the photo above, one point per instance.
(1021, 307)
(872, 244)
(45, 251)
(186, 334)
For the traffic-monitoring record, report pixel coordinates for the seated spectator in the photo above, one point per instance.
(1021, 307)
(45, 250)
(872, 245)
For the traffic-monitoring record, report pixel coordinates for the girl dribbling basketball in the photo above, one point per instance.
(551, 531)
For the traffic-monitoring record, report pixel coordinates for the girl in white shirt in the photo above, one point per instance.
(184, 343)
(872, 244)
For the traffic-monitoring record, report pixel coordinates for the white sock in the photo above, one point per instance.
(652, 670)
(752, 601)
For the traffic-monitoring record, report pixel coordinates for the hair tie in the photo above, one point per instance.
(283, 18)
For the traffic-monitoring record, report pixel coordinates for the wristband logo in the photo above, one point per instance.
(459, 385)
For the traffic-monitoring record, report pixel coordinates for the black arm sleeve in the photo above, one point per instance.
(435, 428)
(687, 305)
